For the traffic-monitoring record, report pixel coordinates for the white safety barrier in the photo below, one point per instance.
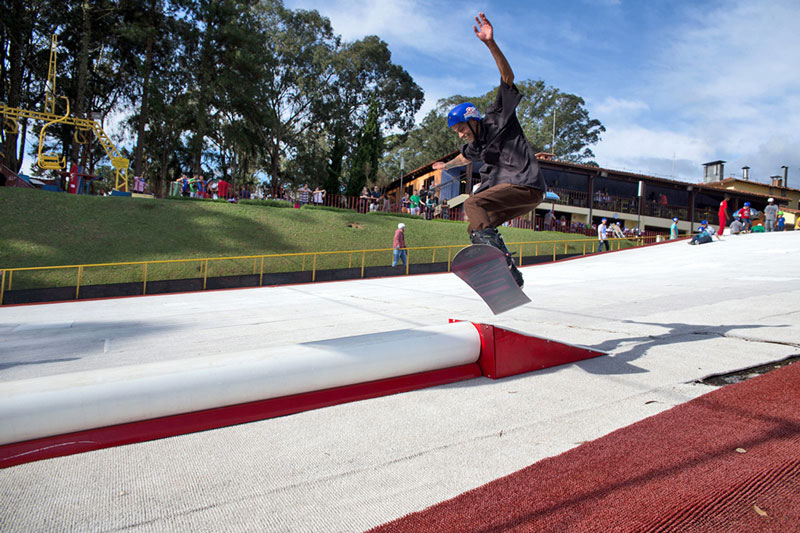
(55, 405)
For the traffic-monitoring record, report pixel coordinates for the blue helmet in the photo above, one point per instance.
(704, 223)
(747, 204)
(462, 113)
(675, 219)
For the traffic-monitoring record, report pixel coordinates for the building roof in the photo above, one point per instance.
(549, 160)
(733, 181)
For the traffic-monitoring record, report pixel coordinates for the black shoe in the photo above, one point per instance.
(517, 275)
(491, 237)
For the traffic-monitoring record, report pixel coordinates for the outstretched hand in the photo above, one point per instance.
(486, 32)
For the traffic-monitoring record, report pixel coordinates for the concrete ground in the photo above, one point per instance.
(668, 316)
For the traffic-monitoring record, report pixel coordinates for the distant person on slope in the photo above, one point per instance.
(511, 182)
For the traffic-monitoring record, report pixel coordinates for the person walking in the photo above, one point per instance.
(399, 245)
(673, 229)
(723, 216)
(602, 236)
(511, 181)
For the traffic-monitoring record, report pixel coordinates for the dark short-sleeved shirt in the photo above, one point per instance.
(506, 154)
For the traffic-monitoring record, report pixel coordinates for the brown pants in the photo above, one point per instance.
(498, 204)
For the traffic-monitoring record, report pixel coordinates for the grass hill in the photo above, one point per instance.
(45, 229)
(42, 229)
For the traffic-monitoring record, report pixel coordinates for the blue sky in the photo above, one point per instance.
(675, 83)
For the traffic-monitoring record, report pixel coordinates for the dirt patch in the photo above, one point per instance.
(720, 380)
(354, 225)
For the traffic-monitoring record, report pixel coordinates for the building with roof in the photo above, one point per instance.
(589, 193)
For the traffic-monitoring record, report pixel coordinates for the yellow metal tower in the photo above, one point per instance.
(11, 116)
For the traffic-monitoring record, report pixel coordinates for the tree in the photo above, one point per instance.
(364, 164)
(295, 70)
(575, 130)
(24, 50)
(365, 80)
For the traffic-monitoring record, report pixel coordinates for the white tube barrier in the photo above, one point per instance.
(65, 403)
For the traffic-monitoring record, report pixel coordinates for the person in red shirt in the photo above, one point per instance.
(399, 245)
(222, 189)
(723, 216)
(744, 214)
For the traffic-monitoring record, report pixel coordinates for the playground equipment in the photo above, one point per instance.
(12, 115)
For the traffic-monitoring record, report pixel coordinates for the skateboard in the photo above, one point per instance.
(484, 268)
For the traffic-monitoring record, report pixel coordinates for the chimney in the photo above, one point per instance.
(745, 173)
(785, 175)
(713, 171)
(777, 181)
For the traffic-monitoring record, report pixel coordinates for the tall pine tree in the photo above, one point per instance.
(364, 163)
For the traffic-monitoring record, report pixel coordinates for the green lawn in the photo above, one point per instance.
(48, 229)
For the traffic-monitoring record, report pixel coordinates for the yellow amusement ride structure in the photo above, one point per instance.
(83, 127)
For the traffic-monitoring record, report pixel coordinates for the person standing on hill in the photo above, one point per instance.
(511, 182)
(770, 215)
(673, 229)
(415, 201)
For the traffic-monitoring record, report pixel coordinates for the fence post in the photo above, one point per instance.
(363, 258)
(261, 273)
(554, 250)
(520, 254)
(2, 285)
(314, 269)
(144, 279)
(449, 251)
(78, 285)
(205, 273)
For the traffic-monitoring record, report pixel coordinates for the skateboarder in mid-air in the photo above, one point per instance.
(511, 183)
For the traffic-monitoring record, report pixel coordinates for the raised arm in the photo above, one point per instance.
(485, 32)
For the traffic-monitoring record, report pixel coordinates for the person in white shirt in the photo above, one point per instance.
(602, 236)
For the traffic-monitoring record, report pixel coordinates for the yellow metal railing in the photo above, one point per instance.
(421, 254)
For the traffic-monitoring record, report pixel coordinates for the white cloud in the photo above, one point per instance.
(615, 108)
(722, 87)
(627, 146)
(414, 24)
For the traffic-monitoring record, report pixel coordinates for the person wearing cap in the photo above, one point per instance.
(511, 182)
(770, 215)
(399, 253)
(705, 234)
(602, 236)
(781, 224)
(744, 214)
(673, 229)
